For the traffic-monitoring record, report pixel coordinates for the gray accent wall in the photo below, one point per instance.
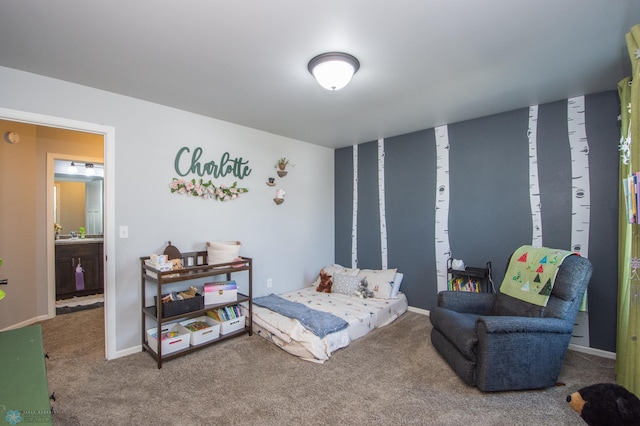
(602, 111)
(489, 206)
(489, 211)
(410, 187)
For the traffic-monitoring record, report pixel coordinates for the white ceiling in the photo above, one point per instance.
(424, 63)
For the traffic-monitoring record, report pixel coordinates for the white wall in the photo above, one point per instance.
(289, 243)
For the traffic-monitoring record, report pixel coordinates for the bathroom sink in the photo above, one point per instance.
(79, 240)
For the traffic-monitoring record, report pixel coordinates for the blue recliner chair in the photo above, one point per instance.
(497, 342)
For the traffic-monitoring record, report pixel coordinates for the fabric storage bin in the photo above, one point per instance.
(179, 307)
(222, 251)
(169, 344)
(203, 335)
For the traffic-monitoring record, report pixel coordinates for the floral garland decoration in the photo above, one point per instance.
(206, 190)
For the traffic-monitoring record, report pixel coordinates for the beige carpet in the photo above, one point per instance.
(393, 376)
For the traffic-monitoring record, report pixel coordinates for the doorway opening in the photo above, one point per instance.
(108, 135)
(78, 215)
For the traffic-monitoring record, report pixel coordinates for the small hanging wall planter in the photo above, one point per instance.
(281, 165)
(206, 190)
(279, 199)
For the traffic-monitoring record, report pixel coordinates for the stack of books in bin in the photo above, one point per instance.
(229, 317)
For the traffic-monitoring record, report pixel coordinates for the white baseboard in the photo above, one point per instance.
(27, 322)
(592, 351)
(125, 352)
(418, 310)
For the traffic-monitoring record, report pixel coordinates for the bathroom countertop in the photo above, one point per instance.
(64, 241)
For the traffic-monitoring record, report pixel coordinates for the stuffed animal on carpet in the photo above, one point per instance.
(363, 290)
(325, 283)
(606, 404)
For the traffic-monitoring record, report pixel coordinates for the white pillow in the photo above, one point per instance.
(333, 270)
(380, 281)
(345, 284)
(338, 269)
(397, 281)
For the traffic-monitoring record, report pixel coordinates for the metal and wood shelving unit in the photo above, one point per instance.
(152, 277)
(481, 275)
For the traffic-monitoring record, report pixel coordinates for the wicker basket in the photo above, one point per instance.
(179, 307)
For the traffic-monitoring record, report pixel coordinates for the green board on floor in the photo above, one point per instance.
(24, 394)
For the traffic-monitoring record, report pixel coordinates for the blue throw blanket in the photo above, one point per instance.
(319, 323)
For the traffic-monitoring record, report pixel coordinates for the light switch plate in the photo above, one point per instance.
(124, 232)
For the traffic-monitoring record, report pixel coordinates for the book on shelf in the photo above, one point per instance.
(632, 196)
(214, 315)
(465, 284)
(225, 314)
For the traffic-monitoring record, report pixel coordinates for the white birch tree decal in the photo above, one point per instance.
(534, 185)
(381, 203)
(354, 222)
(581, 197)
(581, 194)
(443, 250)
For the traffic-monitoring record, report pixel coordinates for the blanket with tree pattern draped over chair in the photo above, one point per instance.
(531, 276)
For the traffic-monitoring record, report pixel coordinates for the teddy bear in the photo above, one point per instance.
(606, 404)
(363, 290)
(325, 283)
(176, 264)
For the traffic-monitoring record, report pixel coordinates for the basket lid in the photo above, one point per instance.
(172, 252)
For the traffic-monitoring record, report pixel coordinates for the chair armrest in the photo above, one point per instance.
(520, 352)
(467, 302)
(506, 324)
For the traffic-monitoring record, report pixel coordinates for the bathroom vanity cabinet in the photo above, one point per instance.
(89, 254)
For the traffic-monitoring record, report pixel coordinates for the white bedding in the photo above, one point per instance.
(363, 315)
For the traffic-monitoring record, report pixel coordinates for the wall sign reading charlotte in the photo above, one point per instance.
(187, 163)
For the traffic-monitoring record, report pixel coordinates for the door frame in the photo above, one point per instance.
(108, 132)
(51, 270)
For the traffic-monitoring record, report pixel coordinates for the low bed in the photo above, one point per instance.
(362, 315)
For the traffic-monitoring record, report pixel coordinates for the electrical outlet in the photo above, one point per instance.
(269, 283)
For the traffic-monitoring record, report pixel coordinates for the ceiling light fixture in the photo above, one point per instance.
(88, 169)
(333, 70)
(72, 168)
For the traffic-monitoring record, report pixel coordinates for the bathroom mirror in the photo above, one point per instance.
(78, 196)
